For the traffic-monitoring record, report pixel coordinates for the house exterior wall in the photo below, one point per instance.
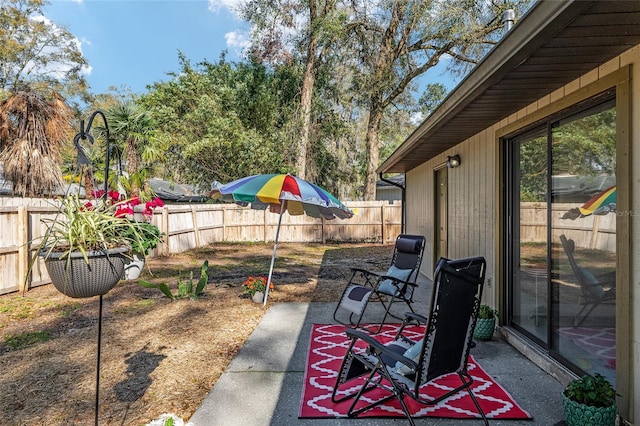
(388, 193)
(471, 205)
(475, 198)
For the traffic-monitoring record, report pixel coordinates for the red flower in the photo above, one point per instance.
(97, 193)
(114, 196)
(150, 205)
(124, 210)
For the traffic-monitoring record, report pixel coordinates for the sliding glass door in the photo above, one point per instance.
(562, 236)
(530, 258)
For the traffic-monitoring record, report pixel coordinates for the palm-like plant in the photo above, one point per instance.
(134, 132)
(33, 128)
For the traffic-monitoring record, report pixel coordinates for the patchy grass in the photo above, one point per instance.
(24, 340)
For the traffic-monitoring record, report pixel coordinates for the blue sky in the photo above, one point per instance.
(134, 43)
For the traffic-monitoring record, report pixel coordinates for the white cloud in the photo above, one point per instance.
(237, 41)
(230, 5)
(57, 68)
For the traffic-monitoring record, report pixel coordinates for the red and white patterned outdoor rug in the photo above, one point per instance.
(598, 341)
(327, 347)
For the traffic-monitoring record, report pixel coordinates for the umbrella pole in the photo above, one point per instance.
(273, 257)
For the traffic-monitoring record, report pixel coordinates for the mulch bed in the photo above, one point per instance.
(158, 356)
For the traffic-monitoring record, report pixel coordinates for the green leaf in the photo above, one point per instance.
(162, 287)
(204, 278)
(182, 290)
(189, 284)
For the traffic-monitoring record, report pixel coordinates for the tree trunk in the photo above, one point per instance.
(132, 166)
(373, 150)
(306, 97)
(305, 109)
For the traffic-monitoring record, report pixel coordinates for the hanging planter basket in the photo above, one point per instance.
(76, 278)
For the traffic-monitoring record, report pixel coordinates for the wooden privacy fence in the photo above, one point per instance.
(592, 232)
(191, 226)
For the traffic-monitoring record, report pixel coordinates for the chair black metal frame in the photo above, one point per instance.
(453, 311)
(592, 291)
(363, 284)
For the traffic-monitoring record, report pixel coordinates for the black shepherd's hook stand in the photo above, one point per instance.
(84, 159)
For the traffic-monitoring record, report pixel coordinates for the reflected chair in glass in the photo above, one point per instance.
(594, 290)
(401, 367)
(395, 285)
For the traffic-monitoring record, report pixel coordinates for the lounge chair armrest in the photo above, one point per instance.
(363, 277)
(364, 271)
(353, 333)
(413, 317)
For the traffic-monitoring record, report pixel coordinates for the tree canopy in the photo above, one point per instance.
(328, 89)
(38, 52)
(222, 120)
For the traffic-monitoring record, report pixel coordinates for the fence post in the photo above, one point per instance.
(594, 232)
(23, 247)
(224, 223)
(384, 239)
(194, 218)
(165, 228)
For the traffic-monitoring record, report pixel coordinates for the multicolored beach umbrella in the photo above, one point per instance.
(600, 204)
(270, 190)
(281, 192)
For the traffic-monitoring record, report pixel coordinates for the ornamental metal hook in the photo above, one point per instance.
(85, 134)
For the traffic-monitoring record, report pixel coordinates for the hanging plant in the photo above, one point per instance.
(89, 241)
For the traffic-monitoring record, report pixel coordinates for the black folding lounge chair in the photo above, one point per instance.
(396, 285)
(444, 349)
(592, 288)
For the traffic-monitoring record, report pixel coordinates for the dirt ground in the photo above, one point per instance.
(157, 355)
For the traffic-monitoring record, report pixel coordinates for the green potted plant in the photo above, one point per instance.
(85, 247)
(589, 400)
(486, 323)
(255, 288)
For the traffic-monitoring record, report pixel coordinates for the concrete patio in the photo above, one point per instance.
(263, 384)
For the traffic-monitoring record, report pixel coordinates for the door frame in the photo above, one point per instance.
(440, 212)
